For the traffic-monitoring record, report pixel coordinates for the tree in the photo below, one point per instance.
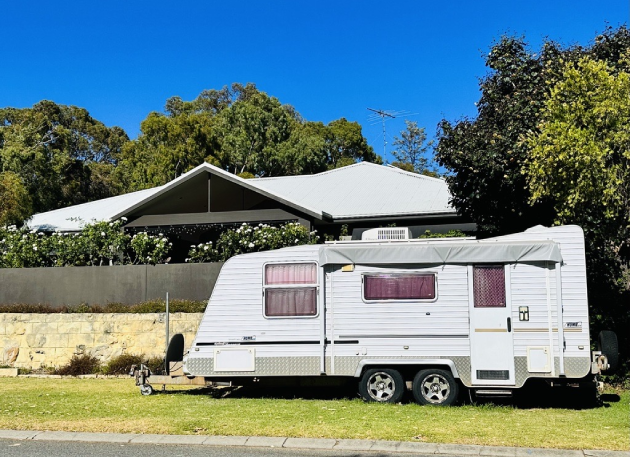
(62, 155)
(167, 147)
(15, 202)
(580, 158)
(411, 149)
(249, 133)
(345, 144)
(486, 155)
(239, 129)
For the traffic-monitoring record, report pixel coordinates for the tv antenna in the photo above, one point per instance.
(383, 115)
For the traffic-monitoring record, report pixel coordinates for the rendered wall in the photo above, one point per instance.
(50, 340)
(111, 284)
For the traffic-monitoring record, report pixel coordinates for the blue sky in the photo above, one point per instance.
(122, 59)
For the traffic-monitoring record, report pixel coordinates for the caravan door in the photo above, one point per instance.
(491, 337)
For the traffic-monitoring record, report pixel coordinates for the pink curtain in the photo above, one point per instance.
(291, 302)
(399, 287)
(489, 286)
(292, 273)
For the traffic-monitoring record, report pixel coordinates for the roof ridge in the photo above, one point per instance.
(321, 173)
(412, 174)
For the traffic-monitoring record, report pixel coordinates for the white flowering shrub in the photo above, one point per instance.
(203, 252)
(100, 243)
(150, 249)
(247, 238)
(105, 243)
(20, 248)
(68, 249)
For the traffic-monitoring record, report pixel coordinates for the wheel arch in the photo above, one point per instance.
(411, 365)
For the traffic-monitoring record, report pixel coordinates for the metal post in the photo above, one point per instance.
(167, 334)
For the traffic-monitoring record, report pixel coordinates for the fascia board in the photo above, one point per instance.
(365, 217)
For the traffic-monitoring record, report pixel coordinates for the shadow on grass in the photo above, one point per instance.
(539, 395)
(267, 392)
(534, 395)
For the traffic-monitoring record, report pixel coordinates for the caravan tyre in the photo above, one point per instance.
(383, 385)
(609, 346)
(435, 387)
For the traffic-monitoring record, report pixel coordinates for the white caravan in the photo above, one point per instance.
(431, 314)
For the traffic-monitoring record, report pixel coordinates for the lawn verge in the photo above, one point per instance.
(114, 405)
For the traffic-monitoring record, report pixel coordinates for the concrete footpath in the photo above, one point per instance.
(308, 443)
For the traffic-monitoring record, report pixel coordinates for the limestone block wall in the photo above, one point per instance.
(50, 340)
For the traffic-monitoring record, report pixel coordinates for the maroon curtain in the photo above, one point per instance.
(399, 287)
(489, 286)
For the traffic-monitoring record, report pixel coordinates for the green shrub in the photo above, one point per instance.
(156, 365)
(26, 308)
(80, 364)
(151, 306)
(122, 364)
(449, 234)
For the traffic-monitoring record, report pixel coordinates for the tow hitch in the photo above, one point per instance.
(144, 378)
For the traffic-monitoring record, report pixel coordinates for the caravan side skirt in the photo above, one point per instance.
(576, 368)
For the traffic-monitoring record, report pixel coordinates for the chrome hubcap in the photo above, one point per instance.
(435, 388)
(381, 386)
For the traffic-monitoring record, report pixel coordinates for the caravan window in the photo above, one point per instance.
(403, 286)
(290, 290)
(489, 286)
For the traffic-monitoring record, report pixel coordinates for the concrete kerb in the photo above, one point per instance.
(265, 441)
(99, 437)
(308, 443)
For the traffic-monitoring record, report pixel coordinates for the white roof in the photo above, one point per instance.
(364, 190)
(73, 218)
(361, 190)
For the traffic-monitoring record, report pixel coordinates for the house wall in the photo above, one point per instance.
(50, 340)
(127, 284)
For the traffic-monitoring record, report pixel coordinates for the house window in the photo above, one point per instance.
(489, 286)
(290, 290)
(398, 287)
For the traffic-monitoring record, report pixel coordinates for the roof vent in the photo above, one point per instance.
(388, 233)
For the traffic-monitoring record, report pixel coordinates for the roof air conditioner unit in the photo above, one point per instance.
(388, 233)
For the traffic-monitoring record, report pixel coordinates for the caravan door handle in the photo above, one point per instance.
(509, 324)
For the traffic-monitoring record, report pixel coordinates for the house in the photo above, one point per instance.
(198, 205)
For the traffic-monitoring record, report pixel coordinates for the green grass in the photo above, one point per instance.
(115, 405)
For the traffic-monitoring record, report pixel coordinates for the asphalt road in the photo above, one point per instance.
(33, 448)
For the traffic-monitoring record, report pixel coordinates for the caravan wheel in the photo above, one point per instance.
(609, 346)
(435, 387)
(383, 385)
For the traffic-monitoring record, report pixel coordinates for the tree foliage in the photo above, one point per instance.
(241, 130)
(580, 158)
(53, 156)
(486, 155)
(411, 149)
(167, 147)
(61, 154)
(15, 202)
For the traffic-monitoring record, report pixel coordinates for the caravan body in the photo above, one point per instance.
(491, 313)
